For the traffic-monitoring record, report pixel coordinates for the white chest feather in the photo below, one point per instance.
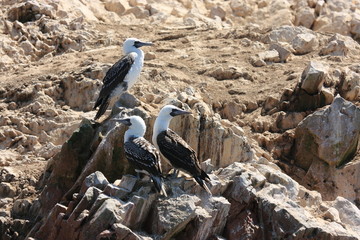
(135, 69)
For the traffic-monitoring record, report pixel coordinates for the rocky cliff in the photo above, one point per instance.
(273, 87)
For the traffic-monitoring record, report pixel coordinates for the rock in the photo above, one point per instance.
(329, 96)
(218, 11)
(283, 51)
(338, 46)
(76, 86)
(350, 85)
(270, 103)
(329, 135)
(125, 233)
(104, 213)
(127, 182)
(149, 56)
(313, 77)
(241, 8)
(290, 120)
(304, 43)
(336, 22)
(134, 3)
(257, 62)
(225, 74)
(284, 34)
(96, 179)
(269, 56)
(232, 111)
(348, 213)
(172, 215)
(138, 12)
(7, 190)
(65, 166)
(127, 100)
(117, 6)
(305, 16)
(355, 27)
(21, 208)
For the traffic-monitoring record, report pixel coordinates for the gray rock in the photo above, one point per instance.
(313, 77)
(172, 215)
(96, 179)
(124, 233)
(7, 190)
(330, 135)
(283, 50)
(104, 213)
(21, 208)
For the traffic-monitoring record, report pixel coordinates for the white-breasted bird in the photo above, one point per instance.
(174, 148)
(122, 75)
(140, 153)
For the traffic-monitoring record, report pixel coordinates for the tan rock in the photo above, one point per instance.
(350, 85)
(305, 16)
(339, 46)
(304, 43)
(218, 11)
(138, 12)
(135, 3)
(283, 49)
(117, 6)
(241, 8)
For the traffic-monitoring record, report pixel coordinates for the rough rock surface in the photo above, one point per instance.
(236, 65)
(257, 198)
(334, 142)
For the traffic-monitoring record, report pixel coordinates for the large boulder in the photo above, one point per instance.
(330, 135)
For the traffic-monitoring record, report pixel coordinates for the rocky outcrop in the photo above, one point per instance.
(330, 135)
(309, 93)
(99, 147)
(251, 199)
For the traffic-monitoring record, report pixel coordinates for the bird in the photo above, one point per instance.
(175, 150)
(122, 75)
(140, 153)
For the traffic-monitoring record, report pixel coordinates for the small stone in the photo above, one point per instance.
(96, 179)
(218, 11)
(7, 190)
(150, 56)
(313, 77)
(283, 51)
(12, 106)
(304, 43)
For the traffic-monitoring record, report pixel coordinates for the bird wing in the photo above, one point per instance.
(115, 76)
(178, 152)
(143, 155)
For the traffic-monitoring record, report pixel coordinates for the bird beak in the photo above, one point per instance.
(177, 112)
(125, 121)
(141, 44)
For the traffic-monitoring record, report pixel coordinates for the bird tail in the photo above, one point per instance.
(204, 176)
(199, 180)
(159, 184)
(104, 105)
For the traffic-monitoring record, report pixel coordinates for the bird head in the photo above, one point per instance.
(133, 122)
(131, 43)
(173, 111)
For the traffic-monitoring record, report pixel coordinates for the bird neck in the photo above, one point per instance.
(162, 123)
(134, 131)
(138, 51)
